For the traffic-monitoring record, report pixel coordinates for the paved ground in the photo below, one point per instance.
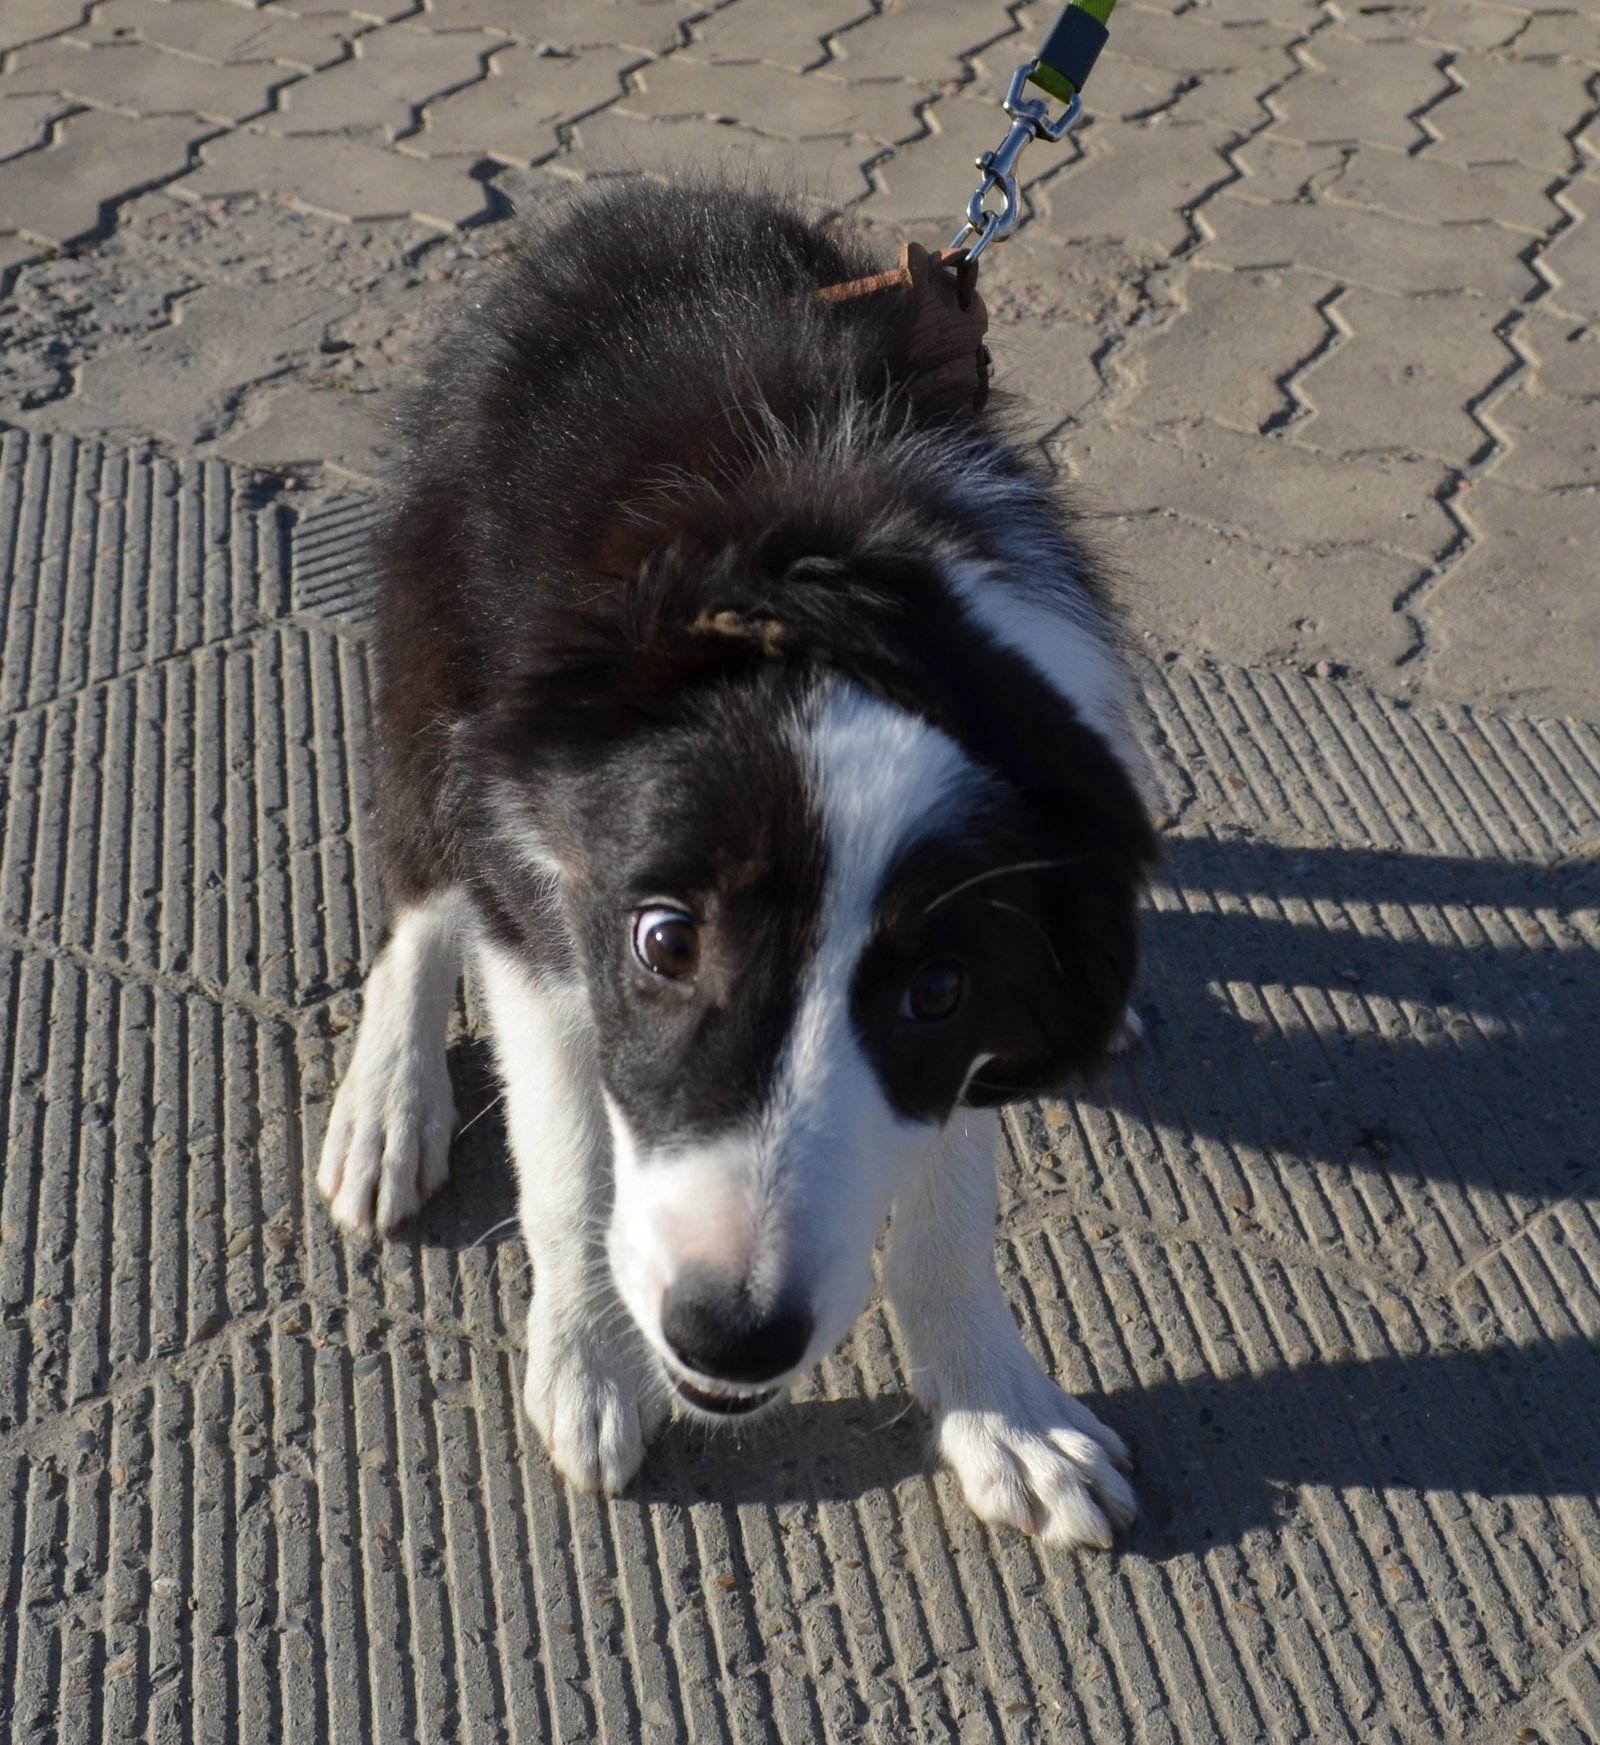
(1309, 309)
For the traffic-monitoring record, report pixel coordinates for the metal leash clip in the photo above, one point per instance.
(1030, 119)
(1065, 59)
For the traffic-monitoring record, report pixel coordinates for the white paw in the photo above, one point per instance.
(387, 1147)
(1042, 1463)
(596, 1405)
(1128, 1033)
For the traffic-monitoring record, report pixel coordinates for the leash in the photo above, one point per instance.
(1062, 65)
(946, 316)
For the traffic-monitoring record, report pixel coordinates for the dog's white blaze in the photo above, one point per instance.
(795, 1196)
(1068, 650)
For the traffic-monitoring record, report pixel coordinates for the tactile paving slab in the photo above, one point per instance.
(1326, 1247)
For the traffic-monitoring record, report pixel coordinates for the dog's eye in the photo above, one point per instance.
(666, 942)
(935, 992)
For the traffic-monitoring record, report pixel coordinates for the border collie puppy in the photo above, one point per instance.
(752, 723)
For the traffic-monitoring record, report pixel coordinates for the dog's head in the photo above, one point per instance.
(819, 894)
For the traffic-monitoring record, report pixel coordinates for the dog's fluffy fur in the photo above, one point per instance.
(758, 731)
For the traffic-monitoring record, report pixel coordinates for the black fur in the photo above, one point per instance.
(655, 494)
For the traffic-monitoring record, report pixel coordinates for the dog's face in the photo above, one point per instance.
(810, 925)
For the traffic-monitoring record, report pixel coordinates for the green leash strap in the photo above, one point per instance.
(1067, 56)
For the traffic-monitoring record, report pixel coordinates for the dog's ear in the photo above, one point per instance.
(1076, 946)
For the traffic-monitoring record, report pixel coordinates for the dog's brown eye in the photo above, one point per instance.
(666, 942)
(935, 992)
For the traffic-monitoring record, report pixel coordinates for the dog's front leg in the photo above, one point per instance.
(387, 1147)
(1027, 1454)
(592, 1390)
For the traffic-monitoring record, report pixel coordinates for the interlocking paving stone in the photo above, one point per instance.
(1327, 1246)
(66, 189)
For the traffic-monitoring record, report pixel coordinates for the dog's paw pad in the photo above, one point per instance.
(1050, 1469)
(594, 1415)
(387, 1147)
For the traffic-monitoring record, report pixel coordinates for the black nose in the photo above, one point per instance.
(713, 1326)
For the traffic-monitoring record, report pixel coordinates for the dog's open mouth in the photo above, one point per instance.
(725, 1403)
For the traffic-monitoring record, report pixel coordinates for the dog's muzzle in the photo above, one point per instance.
(726, 1345)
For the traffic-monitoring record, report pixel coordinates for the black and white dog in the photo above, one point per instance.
(758, 733)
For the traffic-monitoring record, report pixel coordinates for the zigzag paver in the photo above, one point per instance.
(388, 78)
(1432, 188)
(336, 174)
(1230, 346)
(796, 37)
(1573, 258)
(1548, 416)
(227, 35)
(1510, 603)
(1395, 380)
(33, 20)
(60, 191)
(1514, 111)
(1277, 492)
(651, 26)
(1338, 99)
(519, 104)
(141, 80)
(1357, 245)
(815, 106)
(25, 121)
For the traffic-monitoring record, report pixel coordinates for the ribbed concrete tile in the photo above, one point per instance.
(513, 112)
(95, 159)
(1326, 1247)
(143, 80)
(331, 561)
(347, 178)
(111, 561)
(194, 821)
(382, 88)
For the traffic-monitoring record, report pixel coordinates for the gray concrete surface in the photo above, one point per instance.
(1327, 1247)
(1307, 310)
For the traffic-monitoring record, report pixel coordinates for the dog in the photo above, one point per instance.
(748, 711)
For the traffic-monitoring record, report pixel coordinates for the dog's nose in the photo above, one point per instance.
(713, 1327)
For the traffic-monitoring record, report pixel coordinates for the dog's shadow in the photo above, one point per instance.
(1486, 1089)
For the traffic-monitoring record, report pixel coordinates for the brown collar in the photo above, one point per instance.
(948, 360)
